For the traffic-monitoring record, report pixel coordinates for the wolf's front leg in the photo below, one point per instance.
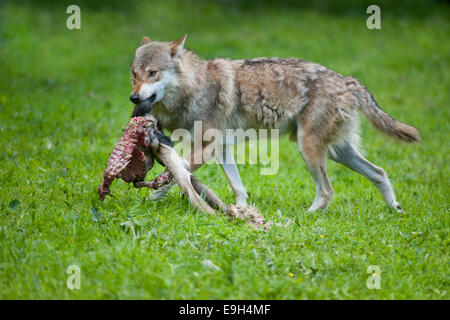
(231, 171)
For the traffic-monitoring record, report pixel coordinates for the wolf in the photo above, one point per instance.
(316, 106)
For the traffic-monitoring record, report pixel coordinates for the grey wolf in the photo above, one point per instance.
(316, 106)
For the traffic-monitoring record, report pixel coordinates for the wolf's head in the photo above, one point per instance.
(153, 70)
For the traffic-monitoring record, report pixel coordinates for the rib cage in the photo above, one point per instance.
(128, 161)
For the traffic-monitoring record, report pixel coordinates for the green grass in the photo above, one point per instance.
(63, 103)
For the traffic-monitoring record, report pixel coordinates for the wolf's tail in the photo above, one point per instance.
(380, 119)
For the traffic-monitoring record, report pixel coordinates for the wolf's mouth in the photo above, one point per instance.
(144, 107)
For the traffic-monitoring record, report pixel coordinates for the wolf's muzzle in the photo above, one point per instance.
(135, 98)
(144, 107)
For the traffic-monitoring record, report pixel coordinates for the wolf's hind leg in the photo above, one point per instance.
(314, 154)
(350, 157)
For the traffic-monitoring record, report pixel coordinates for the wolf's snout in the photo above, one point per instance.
(135, 98)
(143, 107)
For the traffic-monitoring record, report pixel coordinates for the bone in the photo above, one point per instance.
(249, 214)
(177, 167)
(200, 195)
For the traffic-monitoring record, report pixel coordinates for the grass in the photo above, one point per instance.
(63, 102)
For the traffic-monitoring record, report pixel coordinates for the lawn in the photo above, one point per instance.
(64, 100)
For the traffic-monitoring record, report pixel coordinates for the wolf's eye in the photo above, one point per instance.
(152, 73)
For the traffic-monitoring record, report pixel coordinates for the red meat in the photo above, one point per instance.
(131, 158)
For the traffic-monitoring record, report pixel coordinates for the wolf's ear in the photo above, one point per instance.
(177, 46)
(145, 40)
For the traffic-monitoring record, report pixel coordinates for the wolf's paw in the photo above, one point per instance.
(318, 205)
(396, 206)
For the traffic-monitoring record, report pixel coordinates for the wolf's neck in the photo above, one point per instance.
(189, 76)
(192, 71)
(200, 85)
